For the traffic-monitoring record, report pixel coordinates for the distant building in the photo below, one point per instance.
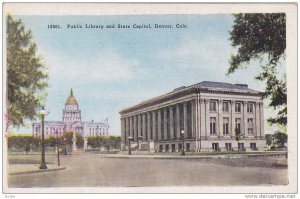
(212, 115)
(71, 121)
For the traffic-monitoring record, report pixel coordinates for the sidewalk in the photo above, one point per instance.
(271, 159)
(193, 155)
(18, 169)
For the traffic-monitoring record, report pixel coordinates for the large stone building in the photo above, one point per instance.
(71, 121)
(207, 116)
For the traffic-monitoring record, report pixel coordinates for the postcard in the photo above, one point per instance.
(150, 98)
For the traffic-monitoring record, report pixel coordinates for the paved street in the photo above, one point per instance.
(97, 170)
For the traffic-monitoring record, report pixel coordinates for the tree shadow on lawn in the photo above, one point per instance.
(25, 161)
(246, 162)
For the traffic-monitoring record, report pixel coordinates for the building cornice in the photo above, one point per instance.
(187, 91)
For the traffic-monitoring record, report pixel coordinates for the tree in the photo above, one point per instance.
(51, 141)
(95, 141)
(280, 139)
(68, 135)
(26, 74)
(263, 37)
(268, 139)
(79, 140)
(22, 142)
(115, 141)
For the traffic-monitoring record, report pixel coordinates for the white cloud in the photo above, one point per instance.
(109, 66)
(105, 66)
(190, 53)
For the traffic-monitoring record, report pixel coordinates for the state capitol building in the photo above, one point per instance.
(71, 121)
(208, 116)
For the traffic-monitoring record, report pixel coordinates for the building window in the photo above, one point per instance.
(180, 147)
(241, 147)
(225, 125)
(250, 126)
(212, 125)
(250, 108)
(238, 107)
(225, 107)
(167, 148)
(160, 148)
(212, 105)
(253, 146)
(238, 125)
(173, 147)
(228, 146)
(215, 146)
(188, 147)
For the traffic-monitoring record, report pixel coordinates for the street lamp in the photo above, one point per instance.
(43, 163)
(65, 142)
(57, 145)
(139, 138)
(182, 138)
(129, 147)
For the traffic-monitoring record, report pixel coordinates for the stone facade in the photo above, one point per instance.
(71, 121)
(210, 115)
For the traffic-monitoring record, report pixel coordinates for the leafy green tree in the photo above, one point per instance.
(21, 143)
(26, 74)
(268, 139)
(79, 140)
(51, 141)
(115, 142)
(263, 37)
(69, 137)
(280, 139)
(95, 141)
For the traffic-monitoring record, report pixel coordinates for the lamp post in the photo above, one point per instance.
(65, 142)
(139, 138)
(43, 162)
(129, 143)
(182, 138)
(57, 145)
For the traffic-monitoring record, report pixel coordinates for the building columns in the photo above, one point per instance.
(148, 125)
(159, 125)
(139, 125)
(135, 128)
(202, 119)
(193, 118)
(130, 127)
(245, 119)
(123, 131)
(207, 118)
(145, 137)
(171, 123)
(262, 119)
(177, 121)
(154, 137)
(233, 118)
(257, 119)
(220, 116)
(165, 124)
(185, 120)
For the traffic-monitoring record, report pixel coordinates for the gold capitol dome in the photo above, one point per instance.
(71, 100)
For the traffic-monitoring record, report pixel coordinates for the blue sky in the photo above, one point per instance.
(111, 69)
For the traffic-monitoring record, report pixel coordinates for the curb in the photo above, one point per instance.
(37, 171)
